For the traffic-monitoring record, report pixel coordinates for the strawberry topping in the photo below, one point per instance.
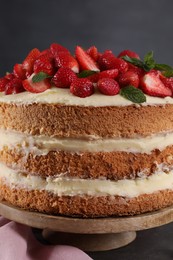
(66, 60)
(125, 74)
(85, 61)
(130, 77)
(28, 63)
(153, 86)
(45, 64)
(14, 86)
(36, 87)
(82, 88)
(64, 77)
(129, 53)
(108, 86)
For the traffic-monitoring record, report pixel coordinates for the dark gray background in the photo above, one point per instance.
(113, 24)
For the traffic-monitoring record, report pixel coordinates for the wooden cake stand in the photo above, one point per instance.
(88, 234)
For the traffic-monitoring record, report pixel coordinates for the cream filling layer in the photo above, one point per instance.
(74, 186)
(41, 145)
(64, 97)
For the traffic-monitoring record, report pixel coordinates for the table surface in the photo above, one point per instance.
(154, 244)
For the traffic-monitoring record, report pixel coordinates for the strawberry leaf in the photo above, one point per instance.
(86, 73)
(40, 77)
(133, 94)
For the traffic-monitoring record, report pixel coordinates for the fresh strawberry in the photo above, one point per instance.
(85, 61)
(36, 87)
(82, 87)
(168, 82)
(9, 76)
(129, 78)
(45, 64)
(136, 69)
(108, 86)
(93, 53)
(19, 71)
(63, 78)
(28, 63)
(108, 61)
(3, 83)
(56, 48)
(129, 53)
(152, 85)
(111, 74)
(47, 52)
(14, 86)
(66, 60)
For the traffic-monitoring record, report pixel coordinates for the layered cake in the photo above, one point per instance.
(88, 135)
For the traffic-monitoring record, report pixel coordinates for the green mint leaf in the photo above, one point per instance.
(165, 69)
(86, 73)
(134, 61)
(133, 94)
(149, 60)
(40, 77)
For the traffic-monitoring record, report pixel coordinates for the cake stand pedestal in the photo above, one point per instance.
(97, 234)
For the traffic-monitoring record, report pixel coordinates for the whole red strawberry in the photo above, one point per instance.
(56, 48)
(14, 86)
(64, 59)
(108, 61)
(63, 78)
(82, 87)
(3, 83)
(45, 64)
(129, 53)
(108, 86)
(168, 82)
(130, 77)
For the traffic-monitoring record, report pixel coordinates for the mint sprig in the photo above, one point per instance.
(133, 94)
(86, 73)
(149, 63)
(40, 77)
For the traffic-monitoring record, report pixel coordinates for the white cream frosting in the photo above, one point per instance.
(63, 96)
(41, 144)
(75, 186)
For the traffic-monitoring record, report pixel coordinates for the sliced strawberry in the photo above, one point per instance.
(63, 59)
(9, 76)
(108, 86)
(129, 53)
(19, 71)
(82, 87)
(63, 78)
(14, 86)
(152, 85)
(47, 52)
(3, 83)
(44, 63)
(36, 87)
(85, 61)
(28, 63)
(56, 48)
(93, 53)
(108, 61)
(168, 82)
(130, 77)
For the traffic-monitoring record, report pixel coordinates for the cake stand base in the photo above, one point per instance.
(97, 234)
(90, 242)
